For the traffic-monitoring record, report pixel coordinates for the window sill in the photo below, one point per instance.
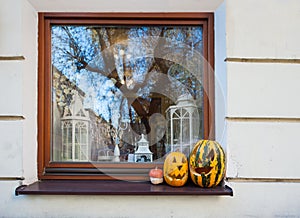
(110, 187)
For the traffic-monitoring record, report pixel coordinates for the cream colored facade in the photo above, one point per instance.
(262, 106)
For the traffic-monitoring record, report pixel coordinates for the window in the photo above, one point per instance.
(118, 91)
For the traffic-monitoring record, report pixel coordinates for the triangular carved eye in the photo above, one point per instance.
(183, 160)
(174, 160)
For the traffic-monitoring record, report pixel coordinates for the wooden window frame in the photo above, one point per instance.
(127, 171)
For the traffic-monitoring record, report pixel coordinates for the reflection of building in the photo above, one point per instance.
(79, 133)
(100, 138)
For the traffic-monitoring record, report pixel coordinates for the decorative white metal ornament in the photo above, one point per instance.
(143, 153)
(183, 124)
(117, 151)
(75, 130)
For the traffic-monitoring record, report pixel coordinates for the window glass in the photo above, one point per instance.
(125, 93)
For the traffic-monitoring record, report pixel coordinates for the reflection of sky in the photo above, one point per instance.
(101, 94)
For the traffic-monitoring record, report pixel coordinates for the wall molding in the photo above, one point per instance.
(12, 58)
(273, 180)
(11, 178)
(263, 119)
(264, 60)
(11, 117)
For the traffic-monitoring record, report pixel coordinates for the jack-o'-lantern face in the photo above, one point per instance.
(176, 169)
(207, 163)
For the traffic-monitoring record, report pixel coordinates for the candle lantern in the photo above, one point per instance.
(183, 125)
(143, 154)
(75, 131)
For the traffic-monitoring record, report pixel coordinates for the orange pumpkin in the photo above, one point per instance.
(156, 176)
(176, 169)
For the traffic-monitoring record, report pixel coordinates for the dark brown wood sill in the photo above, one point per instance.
(110, 187)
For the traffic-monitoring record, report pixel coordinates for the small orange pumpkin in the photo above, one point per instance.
(176, 169)
(156, 176)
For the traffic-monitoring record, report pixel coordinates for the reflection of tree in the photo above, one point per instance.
(124, 58)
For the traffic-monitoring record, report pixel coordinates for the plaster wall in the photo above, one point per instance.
(250, 200)
(257, 149)
(263, 29)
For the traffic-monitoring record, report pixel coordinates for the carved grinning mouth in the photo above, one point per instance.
(206, 169)
(203, 170)
(177, 177)
(180, 175)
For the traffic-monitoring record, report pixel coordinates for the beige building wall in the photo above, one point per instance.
(261, 105)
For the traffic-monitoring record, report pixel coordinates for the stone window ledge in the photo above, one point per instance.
(115, 187)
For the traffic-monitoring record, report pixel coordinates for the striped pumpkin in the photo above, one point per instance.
(207, 163)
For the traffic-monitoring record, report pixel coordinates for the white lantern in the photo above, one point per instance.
(183, 125)
(75, 131)
(143, 154)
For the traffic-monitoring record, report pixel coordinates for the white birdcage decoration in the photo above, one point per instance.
(143, 153)
(183, 125)
(75, 131)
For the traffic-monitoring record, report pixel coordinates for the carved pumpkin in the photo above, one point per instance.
(176, 169)
(207, 163)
